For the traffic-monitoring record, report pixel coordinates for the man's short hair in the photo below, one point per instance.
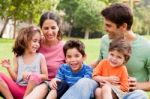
(119, 14)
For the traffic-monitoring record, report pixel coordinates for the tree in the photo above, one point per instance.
(142, 26)
(4, 10)
(87, 16)
(69, 7)
(24, 10)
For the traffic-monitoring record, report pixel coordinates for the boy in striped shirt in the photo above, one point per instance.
(70, 72)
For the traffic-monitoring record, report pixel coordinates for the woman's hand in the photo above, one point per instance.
(132, 83)
(6, 63)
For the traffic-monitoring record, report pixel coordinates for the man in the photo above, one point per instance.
(118, 19)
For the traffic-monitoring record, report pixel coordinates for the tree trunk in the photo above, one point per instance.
(14, 35)
(86, 36)
(69, 32)
(70, 29)
(3, 29)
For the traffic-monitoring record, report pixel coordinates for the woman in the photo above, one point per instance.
(51, 48)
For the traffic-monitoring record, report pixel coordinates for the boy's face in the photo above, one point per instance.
(116, 58)
(114, 31)
(75, 59)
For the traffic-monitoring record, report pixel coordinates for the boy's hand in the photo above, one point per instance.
(114, 80)
(26, 75)
(53, 83)
(104, 82)
(6, 63)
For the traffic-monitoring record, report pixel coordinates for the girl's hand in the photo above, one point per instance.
(26, 75)
(53, 83)
(6, 63)
(114, 80)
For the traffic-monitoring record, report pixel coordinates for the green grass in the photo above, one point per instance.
(6, 50)
(92, 50)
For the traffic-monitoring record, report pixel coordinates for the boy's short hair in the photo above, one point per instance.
(121, 46)
(118, 13)
(74, 43)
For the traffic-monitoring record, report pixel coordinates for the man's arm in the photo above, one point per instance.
(95, 63)
(133, 84)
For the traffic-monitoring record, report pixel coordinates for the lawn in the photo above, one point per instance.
(92, 49)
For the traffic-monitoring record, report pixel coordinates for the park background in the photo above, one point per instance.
(80, 19)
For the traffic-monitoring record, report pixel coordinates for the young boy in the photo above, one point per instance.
(110, 73)
(74, 69)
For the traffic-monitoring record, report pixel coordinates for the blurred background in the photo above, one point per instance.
(80, 18)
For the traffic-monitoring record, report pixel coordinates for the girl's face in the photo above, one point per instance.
(34, 43)
(50, 30)
(75, 59)
(116, 58)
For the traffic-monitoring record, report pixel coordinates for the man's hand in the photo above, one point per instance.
(132, 83)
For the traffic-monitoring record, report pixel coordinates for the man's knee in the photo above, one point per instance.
(137, 94)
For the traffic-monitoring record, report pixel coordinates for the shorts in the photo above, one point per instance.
(62, 87)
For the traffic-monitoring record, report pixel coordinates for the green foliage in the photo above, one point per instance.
(5, 5)
(142, 20)
(109, 1)
(69, 7)
(87, 16)
(24, 10)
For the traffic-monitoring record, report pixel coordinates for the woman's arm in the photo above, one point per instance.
(44, 75)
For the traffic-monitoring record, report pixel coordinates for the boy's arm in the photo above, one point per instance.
(88, 73)
(124, 84)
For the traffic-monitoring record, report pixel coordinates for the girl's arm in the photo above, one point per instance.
(13, 73)
(7, 65)
(44, 74)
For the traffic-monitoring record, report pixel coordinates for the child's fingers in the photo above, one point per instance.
(53, 84)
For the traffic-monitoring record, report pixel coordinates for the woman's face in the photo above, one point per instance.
(50, 30)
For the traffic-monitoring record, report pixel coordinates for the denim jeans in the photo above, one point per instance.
(83, 89)
(137, 94)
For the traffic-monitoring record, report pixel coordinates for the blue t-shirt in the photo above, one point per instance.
(65, 73)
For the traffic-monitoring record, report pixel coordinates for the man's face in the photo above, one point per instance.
(112, 29)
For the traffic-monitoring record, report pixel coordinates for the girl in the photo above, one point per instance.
(52, 48)
(29, 65)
